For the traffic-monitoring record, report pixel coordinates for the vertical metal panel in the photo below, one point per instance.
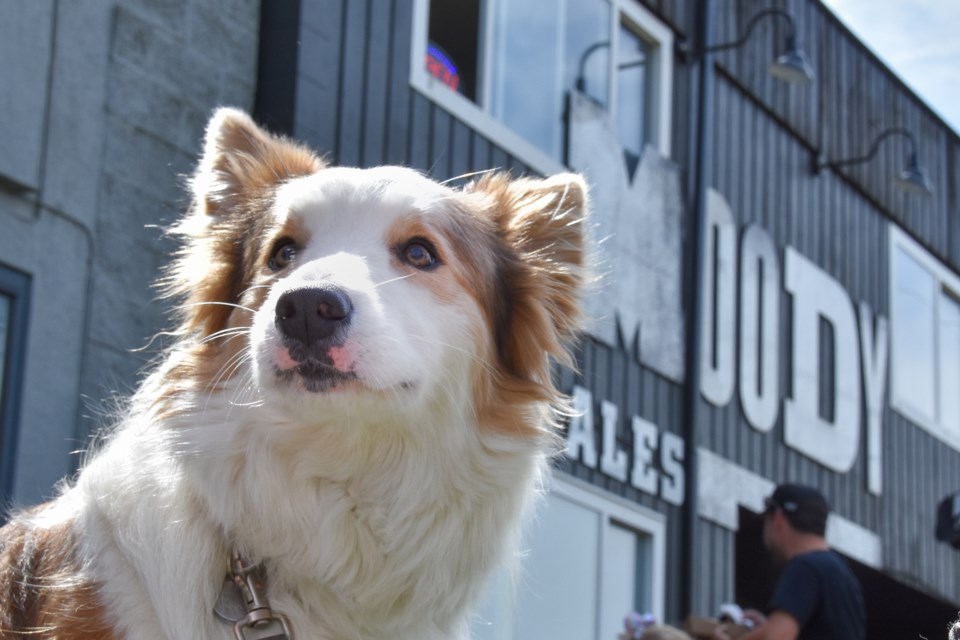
(316, 99)
(353, 73)
(400, 96)
(460, 149)
(759, 166)
(378, 33)
(418, 132)
(354, 99)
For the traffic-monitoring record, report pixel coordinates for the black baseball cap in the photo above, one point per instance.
(805, 508)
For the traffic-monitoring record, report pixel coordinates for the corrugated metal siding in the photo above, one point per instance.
(853, 99)
(354, 102)
(761, 170)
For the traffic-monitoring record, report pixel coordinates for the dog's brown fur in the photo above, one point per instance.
(41, 588)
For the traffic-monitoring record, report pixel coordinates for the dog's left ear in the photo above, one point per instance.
(241, 160)
(543, 224)
(239, 171)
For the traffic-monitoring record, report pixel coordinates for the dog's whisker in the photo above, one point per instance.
(487, 366)
(229, 332)
(469, 174)
(203, 303)
(253, 288)
(403, 277)
(153, 338)
(231, 366)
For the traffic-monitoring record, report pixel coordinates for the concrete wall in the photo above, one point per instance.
(105, 106)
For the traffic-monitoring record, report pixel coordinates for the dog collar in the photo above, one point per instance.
(243, 603)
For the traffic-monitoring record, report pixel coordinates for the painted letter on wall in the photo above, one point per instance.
(717, 338)
(816, 295)
(874, 349)
(759, 329)
(580, 438)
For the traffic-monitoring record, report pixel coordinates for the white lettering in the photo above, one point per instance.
(580, 436)
(644, 476)
(873, 353)
(614, 461)
(719, 284)
(816, 295)
(759, 329)
(671, 461)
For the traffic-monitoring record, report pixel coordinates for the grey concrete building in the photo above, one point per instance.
(104, 105)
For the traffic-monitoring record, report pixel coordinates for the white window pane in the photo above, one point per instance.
(588, 41)
(558, 593)
(534, 63)
(618, 591)
(632, 91)
(913, 333)
(949, 364)
(555, 593)
(526, 72)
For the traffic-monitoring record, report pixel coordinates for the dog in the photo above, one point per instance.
(353, 418)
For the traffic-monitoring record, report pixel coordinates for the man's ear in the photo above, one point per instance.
(240, 160)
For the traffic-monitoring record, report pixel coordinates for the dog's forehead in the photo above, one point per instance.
(383, 187)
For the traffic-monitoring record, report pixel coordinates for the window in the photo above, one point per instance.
(591, 560)
(925, 323)
(506, 68)
(14, 298)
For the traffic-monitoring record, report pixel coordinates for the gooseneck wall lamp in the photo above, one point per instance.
(793, 65)
(912, 178)
(581, 81)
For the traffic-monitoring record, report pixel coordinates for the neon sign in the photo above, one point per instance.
(441, 67)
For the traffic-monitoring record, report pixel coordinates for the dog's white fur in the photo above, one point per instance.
(380, 505)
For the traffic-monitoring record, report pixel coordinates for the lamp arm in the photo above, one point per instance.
(791, 36)
(873, 149)
(581, 81)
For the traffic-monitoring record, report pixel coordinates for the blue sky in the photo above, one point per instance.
(918, 39)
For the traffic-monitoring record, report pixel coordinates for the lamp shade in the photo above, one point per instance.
(914, 179)
(793, 66)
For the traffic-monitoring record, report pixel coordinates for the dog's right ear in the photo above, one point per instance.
(241, 161)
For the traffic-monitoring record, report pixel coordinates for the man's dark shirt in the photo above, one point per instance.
(821, 593)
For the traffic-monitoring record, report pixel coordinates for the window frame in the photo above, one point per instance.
(615, 510)
(15, 285)
(611, 510)
(478, 117)
(946, 281)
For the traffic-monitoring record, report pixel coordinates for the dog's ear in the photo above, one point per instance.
(233, 187)
(240, 161)
(543, 225)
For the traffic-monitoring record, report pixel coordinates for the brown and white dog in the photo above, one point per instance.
(359, 401)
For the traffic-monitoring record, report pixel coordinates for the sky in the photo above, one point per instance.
(918, 39)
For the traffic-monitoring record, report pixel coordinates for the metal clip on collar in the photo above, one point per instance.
(261, 622)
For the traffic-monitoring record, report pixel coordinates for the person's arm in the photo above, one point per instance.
(779, 625)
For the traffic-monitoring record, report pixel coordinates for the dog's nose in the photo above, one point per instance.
(313, 315)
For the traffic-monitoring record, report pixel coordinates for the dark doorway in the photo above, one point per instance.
(895, 611)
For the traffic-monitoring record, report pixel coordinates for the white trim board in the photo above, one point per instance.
(724, 486)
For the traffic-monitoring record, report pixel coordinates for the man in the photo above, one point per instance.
(816, 596)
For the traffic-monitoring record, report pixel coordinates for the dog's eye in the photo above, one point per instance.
(420, 253)
(283, 254)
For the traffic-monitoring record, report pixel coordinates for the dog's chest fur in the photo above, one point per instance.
(395, 553)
